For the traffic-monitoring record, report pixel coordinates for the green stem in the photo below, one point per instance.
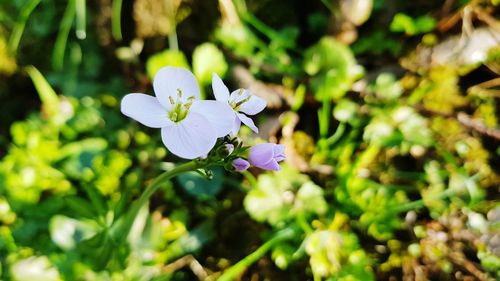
(324, 116)
(417, 204)
(302, 222)
(81, 8)
(120, 229)
(95, 198)
(260, 26)
(251, 178)
(409, 175)
(172, 40)
(116, 20)
(329, 5)
(336, 136)
(18, 30)
(235, 270)
(62, 36)
(122, 204)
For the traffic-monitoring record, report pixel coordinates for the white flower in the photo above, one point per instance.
(189, 126)
(241, 101)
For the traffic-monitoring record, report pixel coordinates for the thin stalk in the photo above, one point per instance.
(120, 229)
(8, 240)
(329, 5)
(365, 158)
(116, 20)
(121, 207)
(324, 116)
(172, 40)
(260, 26)
(18, 30)
(62, 36)
(81, 12)
(417, 176)
(417, 204)
(251, 178)
(303, 223)
(336, 136)
(95, 198)
(235, 270)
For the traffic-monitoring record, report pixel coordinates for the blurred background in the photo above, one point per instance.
(388, 110)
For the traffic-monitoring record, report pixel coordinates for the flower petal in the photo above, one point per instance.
(239, 95)
(236, 126)
(145, 109)
(169, 79)
(271, 166)
(261, 154)
(191, 138)
(240, 164)
(247, 121)
(279, 152)
(253, 106)
(221, 92)
(220, 114)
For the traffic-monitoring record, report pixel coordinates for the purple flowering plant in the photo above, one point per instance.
(202, 131)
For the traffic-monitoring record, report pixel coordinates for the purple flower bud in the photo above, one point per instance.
(267, 155)
(240, 164)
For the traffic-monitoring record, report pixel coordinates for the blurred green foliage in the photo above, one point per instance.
(391, 139)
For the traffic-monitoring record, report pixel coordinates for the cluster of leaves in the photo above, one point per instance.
(391, 163)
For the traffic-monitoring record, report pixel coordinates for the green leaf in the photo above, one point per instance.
(412, 26)
(387, 87)
(425, 24)
(266, 202)
(80, 206)
(192, 241)
(208, 59)
(328, 54)
(282, 196)
(78, 147)
(165, 58)
(333, 66)
(403, 23)
(49, 98)
(337, 255)
(199, 186)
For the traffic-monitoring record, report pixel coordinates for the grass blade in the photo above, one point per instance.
(62, 36)
(18, 30)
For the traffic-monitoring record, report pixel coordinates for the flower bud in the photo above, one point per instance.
(267, 155)
(240, 164)
(229, 148)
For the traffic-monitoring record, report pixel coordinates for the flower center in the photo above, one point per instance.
(180, 107)
(241, 98)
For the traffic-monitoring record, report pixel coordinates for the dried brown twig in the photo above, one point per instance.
(477, 125)
(466, 121)
(193, 264)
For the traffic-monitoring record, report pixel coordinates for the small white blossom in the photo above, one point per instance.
(241, 101)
